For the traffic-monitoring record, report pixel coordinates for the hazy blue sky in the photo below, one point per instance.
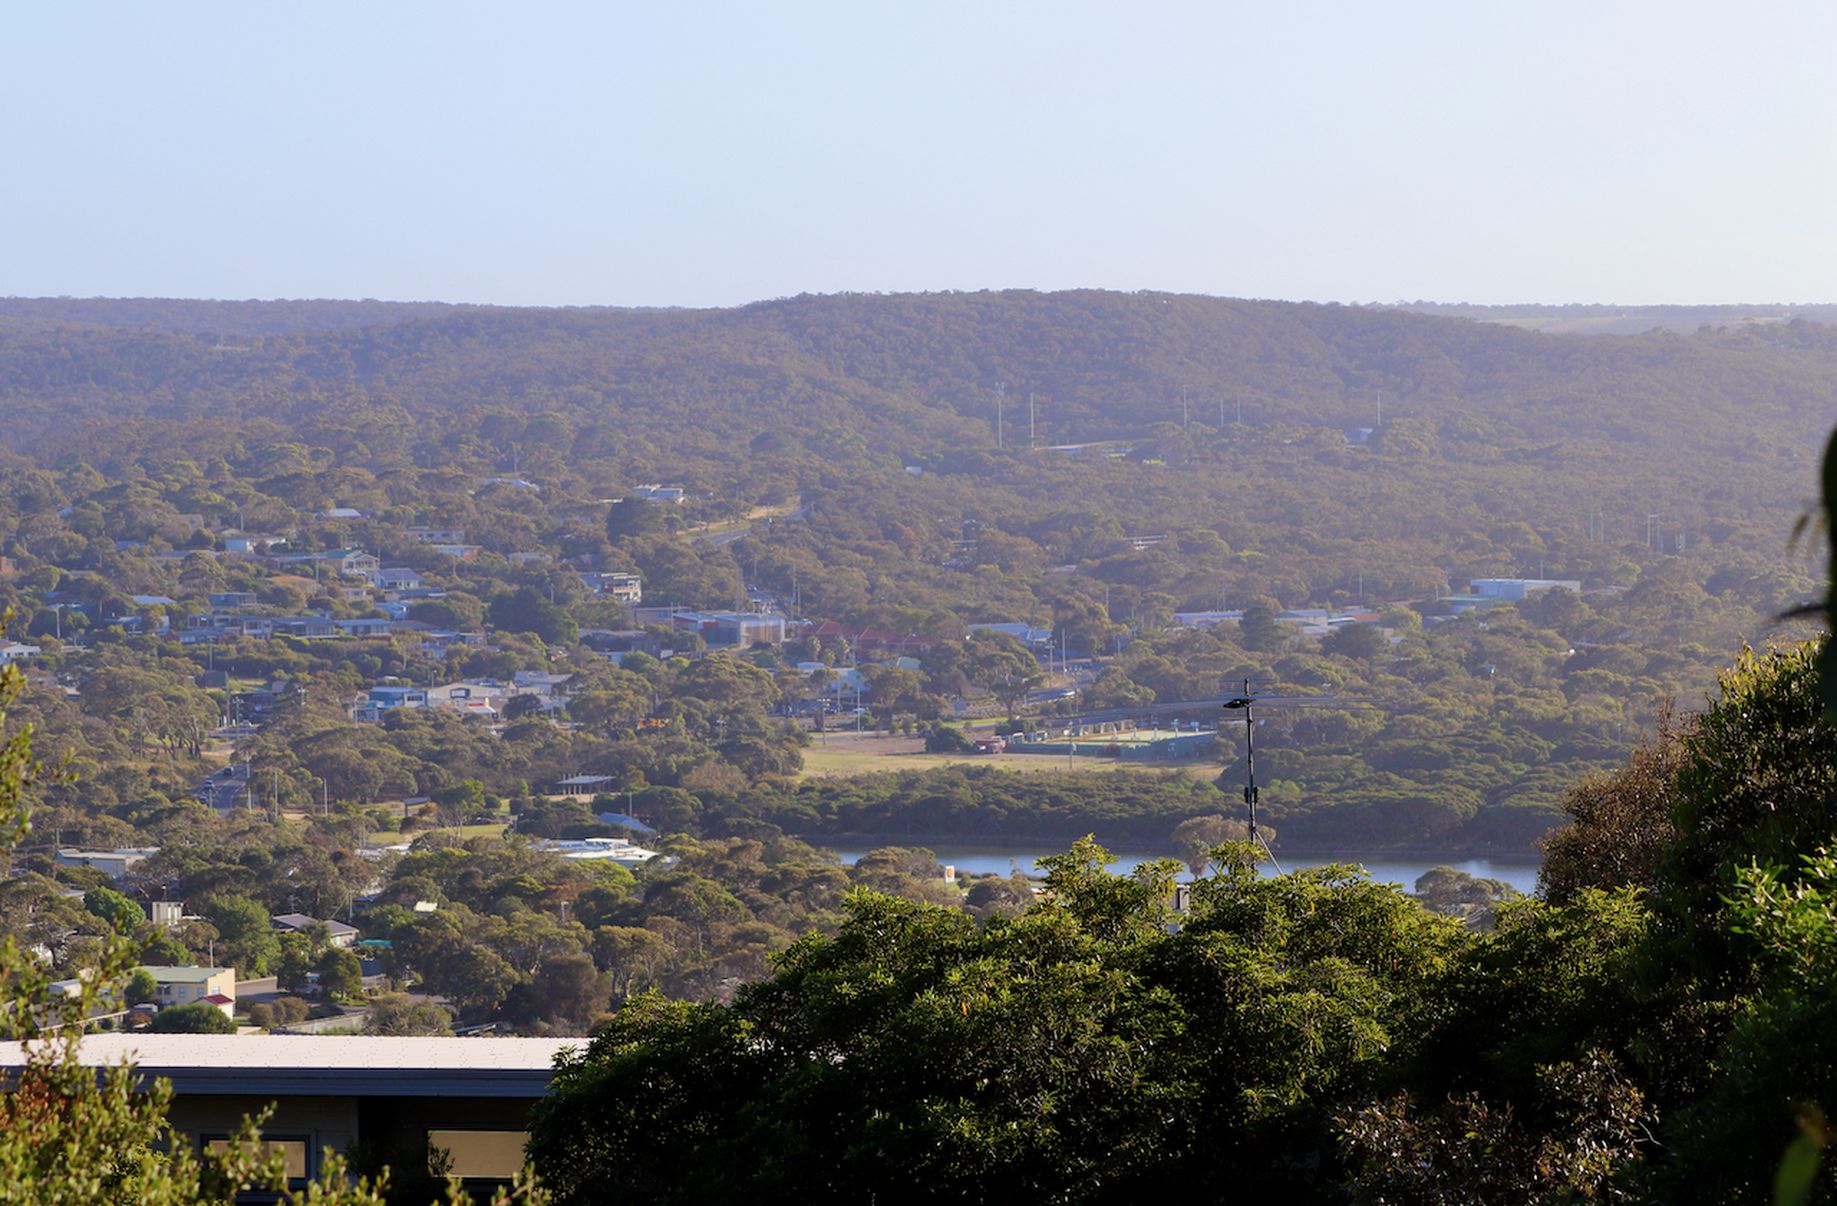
(693, 154)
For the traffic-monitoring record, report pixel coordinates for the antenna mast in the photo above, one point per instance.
(1244, 703)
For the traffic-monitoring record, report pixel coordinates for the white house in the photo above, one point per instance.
(600, 849)
(184, 985)
(114, 863)
(16, 651)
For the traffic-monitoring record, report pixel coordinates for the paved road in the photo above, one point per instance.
(224, 789)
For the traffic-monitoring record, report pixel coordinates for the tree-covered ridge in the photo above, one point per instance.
(838, 456)
(1103, 365)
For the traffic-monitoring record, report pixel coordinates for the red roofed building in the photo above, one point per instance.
(873, 641)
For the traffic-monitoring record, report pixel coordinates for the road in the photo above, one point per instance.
(723, 535)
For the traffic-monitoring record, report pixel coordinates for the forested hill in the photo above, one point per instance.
(214, 318)
(908, 375)
(840, 458)
(1628, 320)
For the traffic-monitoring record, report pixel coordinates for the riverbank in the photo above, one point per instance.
(1313, 854)
(1389, 868)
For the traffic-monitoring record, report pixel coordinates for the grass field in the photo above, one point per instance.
(847, 754)
(389, 837)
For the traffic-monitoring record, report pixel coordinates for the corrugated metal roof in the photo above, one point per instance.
(328, 1065)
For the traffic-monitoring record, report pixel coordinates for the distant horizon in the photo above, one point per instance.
(836, 293)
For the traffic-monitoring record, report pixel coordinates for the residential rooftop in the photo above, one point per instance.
(334, 1065)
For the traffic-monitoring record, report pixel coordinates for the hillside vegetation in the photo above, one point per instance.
(1661, 471)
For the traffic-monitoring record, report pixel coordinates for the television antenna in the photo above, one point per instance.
(1247, 702)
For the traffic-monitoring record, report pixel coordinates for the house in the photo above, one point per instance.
(515, 483)
(355, 562)
(599, 849)
(626, 588)
(461, 552)
(583, 785)
(389, 698)
(16, 651)
(114, 863)
(1208, 619)
(723, 629)
(438, 640)
(243, 625)
(621, 641)
(306, 627)
(184, 985)
(872, 641)
(620, 820)
(1515, 589)
(844, 680)
(438, 535)
(339, 934)
(1490, 592)
(1030, 635)
(398, 577)
(231, 600)
(342, 513)
(366, 626)
(257, 701)
(658, 493)
(537, 682)
(137, 621)
(469, 698)
(476, 697)
(243, 542)
(468, 1099)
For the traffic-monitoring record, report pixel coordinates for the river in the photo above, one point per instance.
(1394, 869)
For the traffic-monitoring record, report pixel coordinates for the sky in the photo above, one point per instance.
(711, 154)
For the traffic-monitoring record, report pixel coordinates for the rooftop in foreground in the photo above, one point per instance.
(338, 1065)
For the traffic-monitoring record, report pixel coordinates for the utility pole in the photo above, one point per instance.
(1380, 408)
(1184, 422)
(1030, 418)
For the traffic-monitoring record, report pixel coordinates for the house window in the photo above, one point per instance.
(296, 1152)
(476, 1155)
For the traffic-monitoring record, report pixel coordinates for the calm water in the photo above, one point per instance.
(998, 860)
